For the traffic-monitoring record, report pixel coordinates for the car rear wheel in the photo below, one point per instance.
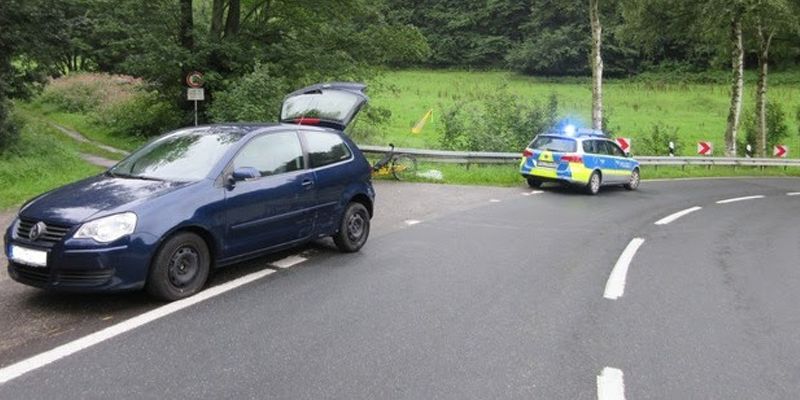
(180, 268)
(593, 187)
(534, 183)
(354, 228)
(633, 184)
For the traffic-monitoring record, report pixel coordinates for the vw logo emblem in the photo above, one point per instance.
(37, 230)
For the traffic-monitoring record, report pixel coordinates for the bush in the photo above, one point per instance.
(87, 92)
(777, 130)
(497, 121)
(656, 143)
(256, 97)
(144, 114)
(9, 127)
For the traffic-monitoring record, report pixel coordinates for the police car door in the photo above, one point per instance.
(619, 162)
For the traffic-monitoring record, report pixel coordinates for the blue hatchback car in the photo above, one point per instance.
(200, 198)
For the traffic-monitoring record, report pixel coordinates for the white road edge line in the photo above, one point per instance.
(288, 262)
(793, 194)
(610, 384)
(740, 199)
(673, 217)
(38, 361)
(615, 287)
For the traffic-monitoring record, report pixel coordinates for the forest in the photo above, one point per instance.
(251, 52)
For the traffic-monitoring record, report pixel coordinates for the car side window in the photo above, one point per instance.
(325, 148)
(272, 154)
(614, 150)
(589, 146)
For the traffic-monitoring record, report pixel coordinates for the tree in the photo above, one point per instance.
(737, 78)
(771, 17)
(597, 65)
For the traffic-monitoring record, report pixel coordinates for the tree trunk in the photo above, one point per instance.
(737, 84)
(186, 34)
(764, 41)
(234, 16)
(217, 16)
(597, 65)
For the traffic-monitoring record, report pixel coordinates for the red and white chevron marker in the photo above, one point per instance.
(624, 143)
(705, 148)
(780, 150)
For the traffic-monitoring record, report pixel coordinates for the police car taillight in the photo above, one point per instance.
(570, 158)
(527, 153)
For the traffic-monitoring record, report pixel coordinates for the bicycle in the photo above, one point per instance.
(400, 166)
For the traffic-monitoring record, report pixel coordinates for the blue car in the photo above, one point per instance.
(200, 198)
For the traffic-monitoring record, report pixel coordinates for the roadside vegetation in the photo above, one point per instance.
(41, 160)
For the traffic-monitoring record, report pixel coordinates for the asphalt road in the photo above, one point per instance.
(496, 293)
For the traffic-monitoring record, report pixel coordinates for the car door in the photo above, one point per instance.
(608, 166)
(275, 208)
(622, 165)
(331, 161)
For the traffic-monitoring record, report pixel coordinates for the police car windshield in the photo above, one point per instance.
(553, 143)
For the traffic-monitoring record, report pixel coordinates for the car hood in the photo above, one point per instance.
(82, 200)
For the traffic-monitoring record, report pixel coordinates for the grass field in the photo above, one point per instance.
(699, 112)
(42, 160)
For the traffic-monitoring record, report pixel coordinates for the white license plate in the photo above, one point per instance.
(545, 164)
(24, 255)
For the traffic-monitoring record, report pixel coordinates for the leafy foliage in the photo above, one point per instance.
(498, 121)
(777, 130)
(656, 143)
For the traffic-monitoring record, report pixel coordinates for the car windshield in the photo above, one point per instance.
(553, 143)
(184, 156)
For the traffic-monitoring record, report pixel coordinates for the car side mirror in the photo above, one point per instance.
(244, 173)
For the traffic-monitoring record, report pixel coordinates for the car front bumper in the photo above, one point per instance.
(74, 266)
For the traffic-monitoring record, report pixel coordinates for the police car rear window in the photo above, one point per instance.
(553, 143)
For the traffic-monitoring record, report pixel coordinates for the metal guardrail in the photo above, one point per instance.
(471, 157)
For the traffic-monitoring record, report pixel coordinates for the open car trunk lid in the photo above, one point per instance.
(332, 105)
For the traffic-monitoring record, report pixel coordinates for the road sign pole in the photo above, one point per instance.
(195, 113)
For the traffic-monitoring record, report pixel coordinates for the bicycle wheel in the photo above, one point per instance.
(404, 167)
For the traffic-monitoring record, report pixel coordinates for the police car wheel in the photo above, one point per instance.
(594, 183)
(633, 184)
(534, 183)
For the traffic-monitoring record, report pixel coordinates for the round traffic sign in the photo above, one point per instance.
(194, 79)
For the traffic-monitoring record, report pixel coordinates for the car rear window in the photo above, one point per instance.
(553, 143)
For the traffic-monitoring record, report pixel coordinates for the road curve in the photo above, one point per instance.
(502, 299)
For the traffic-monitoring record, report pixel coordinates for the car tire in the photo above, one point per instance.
(593, 186)
(353, 229)
(534, 183)
(636, 178)
(180, 268)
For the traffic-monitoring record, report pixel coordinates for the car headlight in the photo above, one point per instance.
(108, 229)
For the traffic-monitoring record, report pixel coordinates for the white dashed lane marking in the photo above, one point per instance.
(532, 193)
(615, 287)
(610, 384)
(288, 262)
(673, 217)
(793, 194)
(410, 222)
(735, 199)
(494, 201)
(16, 370)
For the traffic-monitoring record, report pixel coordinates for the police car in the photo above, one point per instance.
(582, 157)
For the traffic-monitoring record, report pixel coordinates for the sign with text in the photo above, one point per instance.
(195, 94)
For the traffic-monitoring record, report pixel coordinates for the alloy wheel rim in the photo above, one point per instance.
(595, 183)
(635, 179)
(184, 266)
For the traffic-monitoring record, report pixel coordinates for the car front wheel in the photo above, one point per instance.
(633, 184)
(180, 268)
(353, 229)
(594, 183)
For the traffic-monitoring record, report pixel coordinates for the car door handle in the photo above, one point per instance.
(307, 182)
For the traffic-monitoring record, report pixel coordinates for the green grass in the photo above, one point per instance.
(698, 111)
(84, 124)
(40, 161)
